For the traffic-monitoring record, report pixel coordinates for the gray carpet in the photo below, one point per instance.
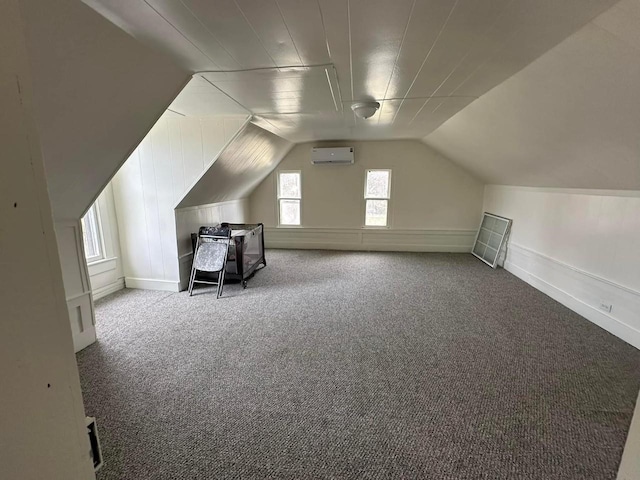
(358, 365)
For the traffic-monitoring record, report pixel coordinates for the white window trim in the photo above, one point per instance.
(278, 198)
(387, 199)
(100, 240)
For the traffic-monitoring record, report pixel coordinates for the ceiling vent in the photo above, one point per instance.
(332, 155)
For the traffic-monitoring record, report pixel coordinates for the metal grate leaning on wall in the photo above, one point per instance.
(491, 238)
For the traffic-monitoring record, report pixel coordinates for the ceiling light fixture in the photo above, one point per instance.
(365, 110)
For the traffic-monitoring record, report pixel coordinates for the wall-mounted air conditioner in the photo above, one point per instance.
(332, 156)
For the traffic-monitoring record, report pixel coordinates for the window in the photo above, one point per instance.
(377, 191)
(289, 195)
(91, 235)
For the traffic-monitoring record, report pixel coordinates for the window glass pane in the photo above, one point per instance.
(91, 235)
(377, 184)
(376, 213)
(289, 212)
(289, 185)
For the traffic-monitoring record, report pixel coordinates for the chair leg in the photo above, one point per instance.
(220, 282)
(191, 280)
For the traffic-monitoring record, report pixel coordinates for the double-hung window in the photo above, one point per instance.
(289, 197)
(377, 191)
(91, 235)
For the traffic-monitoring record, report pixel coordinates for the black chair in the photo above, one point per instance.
(212, 248)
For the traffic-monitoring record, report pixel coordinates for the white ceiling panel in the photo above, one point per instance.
(569, 119)
(266, 20)
(226, 20)
(239, 168)
(306, 27)
(140, 20)
(372, 69)
(290, 90)
(422, 60)
(335, 21)
(184, 20)
(201, 99)
(463, 28)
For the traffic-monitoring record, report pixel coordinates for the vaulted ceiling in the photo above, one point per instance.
(570, 119)
(298, 65)
(239, 168)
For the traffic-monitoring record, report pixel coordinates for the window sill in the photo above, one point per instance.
(102, 265)
(375, 227)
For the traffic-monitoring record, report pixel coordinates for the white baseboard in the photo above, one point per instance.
(580, 291)
(370, 239)
(152, 284)
(108, 289)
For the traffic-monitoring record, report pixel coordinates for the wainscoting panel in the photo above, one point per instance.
(152, 284)
(370, 239)
(105, 290)
(580, 291)
(76, 283)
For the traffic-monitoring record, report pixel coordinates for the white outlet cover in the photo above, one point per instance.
(606, 306)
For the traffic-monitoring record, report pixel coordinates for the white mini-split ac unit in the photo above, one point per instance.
(332, 156)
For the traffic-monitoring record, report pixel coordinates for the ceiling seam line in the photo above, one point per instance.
(225, 93)
(210, 33)
(433, 46)
(464, 57)
(395, 63)
(285, 67)
(181, 34)
(174, 111)
(439, 87)
(255, 33)
(284, 21)
(355, 120)
(324, 30)
(335, 103)
(479, 67)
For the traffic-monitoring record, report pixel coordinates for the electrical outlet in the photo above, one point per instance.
(605, 306)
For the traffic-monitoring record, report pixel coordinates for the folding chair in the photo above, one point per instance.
(210, 255)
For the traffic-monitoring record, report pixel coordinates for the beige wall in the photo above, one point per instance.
(42, 432)
(429, 195)
(427, 191)
(98, 91)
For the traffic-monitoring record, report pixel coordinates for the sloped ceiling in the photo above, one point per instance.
(423, 60)
(240, 167)
(570, 119)
(97, 94)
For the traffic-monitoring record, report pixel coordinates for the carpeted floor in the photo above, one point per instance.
(359, 366)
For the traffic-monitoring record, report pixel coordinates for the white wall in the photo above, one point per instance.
(152, 181)
(190, 219)
(578, 246)
(42, 432)
(435, 205)
(98, 91)
(77, 287)
(106, 275)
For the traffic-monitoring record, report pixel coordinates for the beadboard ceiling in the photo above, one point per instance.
(298, 65)
(570, 119)
(239, 167)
